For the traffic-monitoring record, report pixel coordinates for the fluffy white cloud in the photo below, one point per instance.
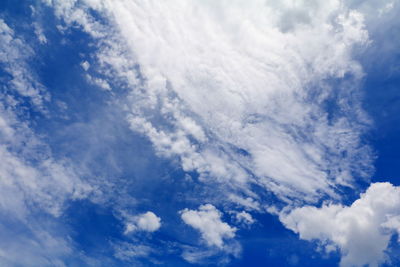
(361, 231)
(207, 220)
(148, 222)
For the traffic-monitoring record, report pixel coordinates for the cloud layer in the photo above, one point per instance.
(260, 99)
(256, 97)
(241, 94)
(238, 92)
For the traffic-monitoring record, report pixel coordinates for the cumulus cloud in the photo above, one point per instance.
(361, 231)
(148, 222)
(207, 220)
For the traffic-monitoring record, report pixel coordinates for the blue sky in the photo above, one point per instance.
(190, 133)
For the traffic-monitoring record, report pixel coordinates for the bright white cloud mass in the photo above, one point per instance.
(259, 103)
(144, 222)
(361, 231)
(208, 221)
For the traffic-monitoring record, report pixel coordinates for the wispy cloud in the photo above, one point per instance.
(32, 181)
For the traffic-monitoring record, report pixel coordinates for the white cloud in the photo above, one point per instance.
(211, 256)
(207, 220)
(39, 33)
(148, 222)
(13, 55)
(361, 231)
(32, 180)
(262, 76)
(245, 218)
(103, 84)
(85, 65)
(195, 256)
(32, 244)
(236, 91)
(250, 105)
(30, 175)
(248, 203)
(127, 251)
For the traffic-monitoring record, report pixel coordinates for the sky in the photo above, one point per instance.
(199, 133)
